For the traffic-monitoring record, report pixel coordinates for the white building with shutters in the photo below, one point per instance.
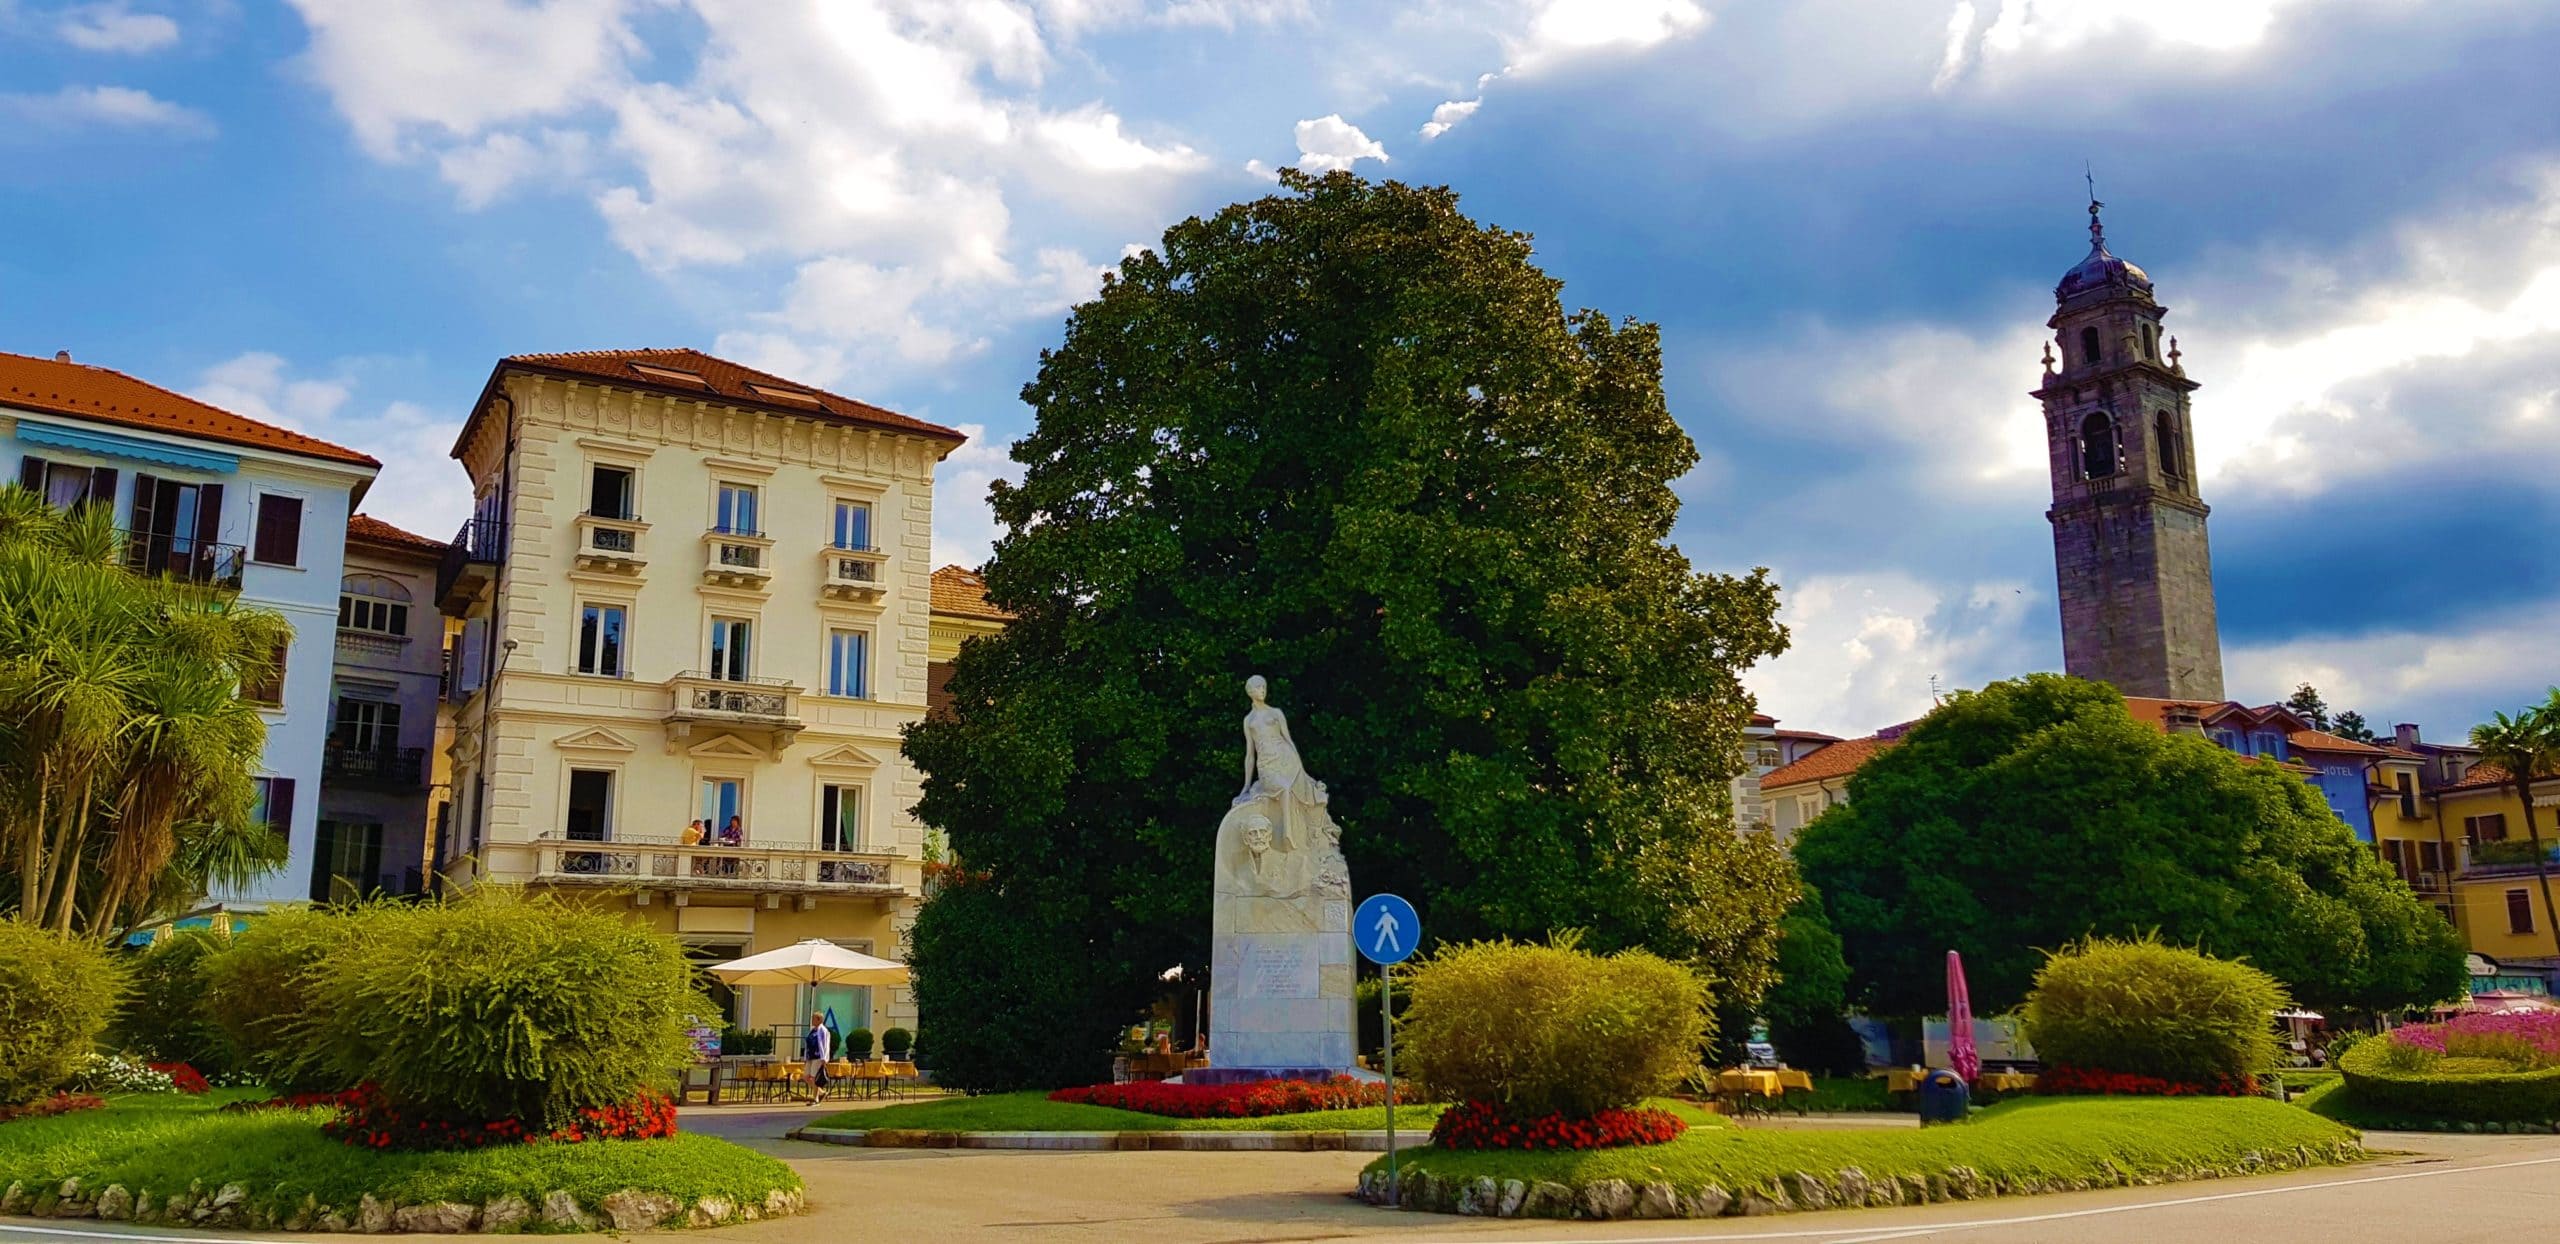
(208, 495)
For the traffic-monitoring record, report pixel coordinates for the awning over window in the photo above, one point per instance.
(109, 444)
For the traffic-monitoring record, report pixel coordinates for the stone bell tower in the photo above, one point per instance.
(2129, 550)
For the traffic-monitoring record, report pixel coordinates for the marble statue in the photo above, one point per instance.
(1280, 947)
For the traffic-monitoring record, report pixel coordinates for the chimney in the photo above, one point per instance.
(2182, 719)
(62, 356)
(2405, 734)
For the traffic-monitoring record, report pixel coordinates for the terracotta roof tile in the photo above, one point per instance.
(1763, 719)
(2323, 741)
(100, 395)
(676, 371)
(2483, 774)
(960, 592)
(1839, 759)
(368, 528)
(1808, 736)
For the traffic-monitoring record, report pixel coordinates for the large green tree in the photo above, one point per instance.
(2017, 819)
(1347, 438)
(125, 748)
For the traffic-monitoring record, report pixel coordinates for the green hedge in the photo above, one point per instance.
(2145, 1008)
(163, 1018)
(56, 996)
(2479, 1097)
(1539, 1030)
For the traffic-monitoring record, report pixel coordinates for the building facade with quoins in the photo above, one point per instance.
(693, 592)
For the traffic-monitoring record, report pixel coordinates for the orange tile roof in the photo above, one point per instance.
(83, 391)
(1838, 760)
(2323, 741)
(1808, 736)
(373, 530)
(2481, 775)
(960, 592)
(665, 371)
(1763, 719)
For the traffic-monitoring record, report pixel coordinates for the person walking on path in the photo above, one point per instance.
(816, 1046)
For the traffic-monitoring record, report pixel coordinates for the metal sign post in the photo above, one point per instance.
(1386, 929)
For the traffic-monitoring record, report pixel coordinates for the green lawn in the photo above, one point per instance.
(2023, 1145)
(1034, 1112)
(160, 1143)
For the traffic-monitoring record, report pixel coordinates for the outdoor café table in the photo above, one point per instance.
(1795, 1087)
(2008, 1081)
(1901, 1080)
(1748, 1089)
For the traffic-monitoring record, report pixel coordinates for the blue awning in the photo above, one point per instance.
(108, 444)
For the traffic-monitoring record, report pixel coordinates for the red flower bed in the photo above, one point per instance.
(368, 1120)
(187, 1079)
(59, 1103)
(2080, 1081)
(1229, 1101)
(1482, 1125)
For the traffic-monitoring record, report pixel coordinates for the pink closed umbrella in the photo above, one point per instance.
(1961, 1055)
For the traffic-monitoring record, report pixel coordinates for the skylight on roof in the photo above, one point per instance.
(782, 395)
(670, 375)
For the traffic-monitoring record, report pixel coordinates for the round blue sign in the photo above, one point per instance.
(1386, 929)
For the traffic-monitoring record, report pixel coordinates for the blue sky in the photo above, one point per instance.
(1847, 215)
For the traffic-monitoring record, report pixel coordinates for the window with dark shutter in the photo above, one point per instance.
(2519, 911)
(268, 690)
(279, 539)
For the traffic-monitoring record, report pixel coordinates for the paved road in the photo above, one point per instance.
(2440, 1189)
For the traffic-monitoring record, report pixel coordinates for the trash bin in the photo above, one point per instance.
(1944, 1098)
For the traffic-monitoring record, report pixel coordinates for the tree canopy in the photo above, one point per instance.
(1346, 438)
(2035, 812)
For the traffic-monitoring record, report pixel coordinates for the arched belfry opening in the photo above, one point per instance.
(2098, 456)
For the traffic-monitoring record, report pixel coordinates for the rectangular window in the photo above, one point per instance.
(2408, 796)
(731, 648)
(348, 855)
(839, 818)
(271, 805)
(2392, 849)
(367, 613)
(278, 541)
(600, 645)
(64, 485)
(2490, 828)
(724, 800)
(609, 493)
(848, 663)
(738, 509)
(590, 805)
(2431, 857)
(2519, 912)
(853, 524)
(268, 690)
(367, 725)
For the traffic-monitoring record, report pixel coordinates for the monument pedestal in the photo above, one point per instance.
(1280, 1001)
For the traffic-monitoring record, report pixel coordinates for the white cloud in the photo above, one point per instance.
(964, 528)
(1447, 116)
(1954, 403)
(419, 489)
(483, 171)
(1959, 53)
(101, 107)
(1562, 28)
(1863, 648)
(2444, 679)
(419, 71)
(114, 27)
(1328, 143)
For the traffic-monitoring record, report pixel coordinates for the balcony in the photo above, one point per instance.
(470, 565)
(665, 862)
(398, 768)
(2507, 857)
(610, 543)
(736, 558)
(184, 558)
(849, 573)
(764, 707)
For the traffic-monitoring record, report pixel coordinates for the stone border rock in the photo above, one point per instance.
(630, 1209)
(1846, 1188)
(1088, 1142)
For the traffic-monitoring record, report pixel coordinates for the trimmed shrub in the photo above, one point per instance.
(1254, 1100)
(2382, 1075)
(857, 1045)
(1364, 1014)
(260, 990)
(895, 1043)
(2530, 1040)
(2146, 1009)
(1544, 1030)
(56, 997)
(163, 1018)
(528, 1010)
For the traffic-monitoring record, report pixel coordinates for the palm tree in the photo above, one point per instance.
(2527, 747)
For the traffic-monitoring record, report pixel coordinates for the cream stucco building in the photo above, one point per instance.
(694, 592)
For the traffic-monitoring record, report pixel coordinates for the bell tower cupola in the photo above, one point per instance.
(2131, 562)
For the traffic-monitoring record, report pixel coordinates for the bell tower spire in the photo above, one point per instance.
(2132, 565)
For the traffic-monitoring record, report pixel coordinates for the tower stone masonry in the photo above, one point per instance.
(2132, 566)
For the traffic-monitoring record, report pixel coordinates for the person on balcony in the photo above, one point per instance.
(693, 832)
(733, 834)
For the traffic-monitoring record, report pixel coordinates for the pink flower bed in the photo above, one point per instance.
(2531, 1038)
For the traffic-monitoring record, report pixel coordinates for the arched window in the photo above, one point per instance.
(2097, 446)
(371, 602)
(2164, 438)
(2089, 346)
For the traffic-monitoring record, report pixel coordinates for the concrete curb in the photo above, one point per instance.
(1095, 1142)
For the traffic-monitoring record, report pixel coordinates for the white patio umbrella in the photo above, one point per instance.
(812, 962)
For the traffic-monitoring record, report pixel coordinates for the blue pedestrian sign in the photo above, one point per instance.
(1386, 929)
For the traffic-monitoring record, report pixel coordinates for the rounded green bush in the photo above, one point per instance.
(857, 1045)
(56, 996)
(261, 991)
(505, 1007)
(1540, 1030)
(2380, 1076)
(163, 1018)
(895, 1043)
(2144, 1008)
